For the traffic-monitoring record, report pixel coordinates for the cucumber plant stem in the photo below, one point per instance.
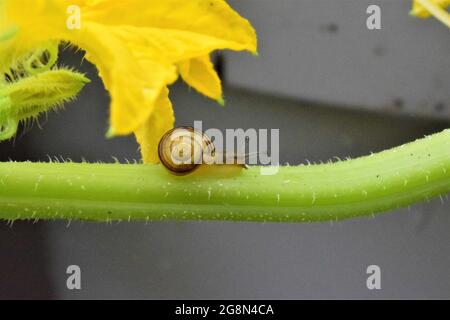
(373, 184)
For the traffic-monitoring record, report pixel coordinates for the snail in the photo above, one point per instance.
(183, 150)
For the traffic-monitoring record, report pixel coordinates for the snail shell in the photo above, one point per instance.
(182, 150)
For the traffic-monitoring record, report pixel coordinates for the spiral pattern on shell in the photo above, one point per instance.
(182, 150)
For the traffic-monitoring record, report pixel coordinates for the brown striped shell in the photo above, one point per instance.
(182, 150)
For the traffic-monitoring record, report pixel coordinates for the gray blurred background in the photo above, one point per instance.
(333, 88)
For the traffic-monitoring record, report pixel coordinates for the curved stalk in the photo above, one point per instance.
(108, 192)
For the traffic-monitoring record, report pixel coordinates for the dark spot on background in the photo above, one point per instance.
(439, 107)
(331, 28)
(399, 103)
(379, 51)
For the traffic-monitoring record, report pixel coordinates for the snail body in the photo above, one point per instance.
(183, 150)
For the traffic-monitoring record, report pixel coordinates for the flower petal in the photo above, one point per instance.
(151, 132)
(420, 11)
(133, 80)
(214, 18)
(138, 46)
(200, 74)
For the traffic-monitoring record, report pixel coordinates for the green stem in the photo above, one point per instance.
(105, 192)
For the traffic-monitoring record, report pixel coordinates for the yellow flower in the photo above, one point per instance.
(139, 47)
(428, 8)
